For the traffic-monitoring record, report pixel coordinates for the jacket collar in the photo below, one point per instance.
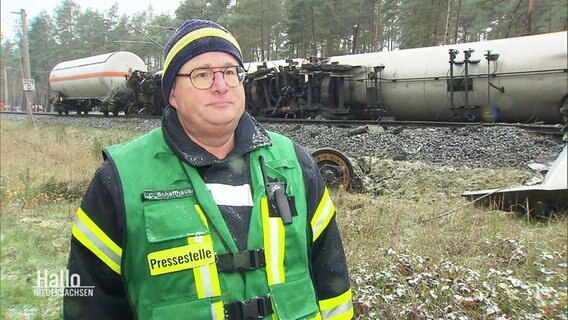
(249, 136)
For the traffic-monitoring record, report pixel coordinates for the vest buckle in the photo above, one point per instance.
(255, 308)
(241, 261)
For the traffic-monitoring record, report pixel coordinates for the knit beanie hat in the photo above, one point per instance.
(191, 39)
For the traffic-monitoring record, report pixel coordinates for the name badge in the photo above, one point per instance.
(181, 258)
(167, 194)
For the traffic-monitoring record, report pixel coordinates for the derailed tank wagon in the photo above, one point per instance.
(521, 79)
(94, 83)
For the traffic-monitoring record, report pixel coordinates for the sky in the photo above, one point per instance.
(34, 7)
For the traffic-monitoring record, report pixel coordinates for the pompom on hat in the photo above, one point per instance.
(191, 39)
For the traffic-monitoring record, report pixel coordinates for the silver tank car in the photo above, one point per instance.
(522, 79)
(97, 81)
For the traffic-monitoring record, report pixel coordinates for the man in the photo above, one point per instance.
(209, 216)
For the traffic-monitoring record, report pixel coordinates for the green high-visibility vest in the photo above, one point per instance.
(175, 232)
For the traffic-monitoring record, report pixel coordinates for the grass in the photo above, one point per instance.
(44, 174)
(405, 261)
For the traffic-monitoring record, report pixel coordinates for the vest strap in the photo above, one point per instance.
(241, 261)
(255, 308)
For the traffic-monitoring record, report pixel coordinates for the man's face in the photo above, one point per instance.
(213, 110)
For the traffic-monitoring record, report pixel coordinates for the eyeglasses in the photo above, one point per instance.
(203, 78)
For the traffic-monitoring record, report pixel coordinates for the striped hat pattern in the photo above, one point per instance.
(192, 38)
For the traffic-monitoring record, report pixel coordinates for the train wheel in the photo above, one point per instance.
(145, 112)
(564, 114)
(564, 111)
(336, 169)
(133, 108)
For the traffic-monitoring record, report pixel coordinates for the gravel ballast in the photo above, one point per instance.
(473, 146)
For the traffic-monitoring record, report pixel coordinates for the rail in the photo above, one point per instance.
(544, 129)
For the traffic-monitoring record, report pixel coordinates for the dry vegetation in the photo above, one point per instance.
(45, 171)
(474, 263)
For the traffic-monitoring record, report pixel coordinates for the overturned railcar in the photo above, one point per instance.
(522, 79)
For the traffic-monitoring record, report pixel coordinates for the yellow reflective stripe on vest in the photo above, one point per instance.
(206, 276)
(317, 317)
(201, 215)
(274, 233)
(338, 308)
(196, 35)
(92, 237)
(217, 311)
(323, 215)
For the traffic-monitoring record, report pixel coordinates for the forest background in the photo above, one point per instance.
(269, 30)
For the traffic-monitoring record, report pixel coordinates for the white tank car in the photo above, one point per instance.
(97, 77)
(528, 80)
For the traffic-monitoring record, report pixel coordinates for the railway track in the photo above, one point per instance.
(359, 126)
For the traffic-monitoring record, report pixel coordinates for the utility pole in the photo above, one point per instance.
(28, 82)
(5, 77)
(27, 72)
